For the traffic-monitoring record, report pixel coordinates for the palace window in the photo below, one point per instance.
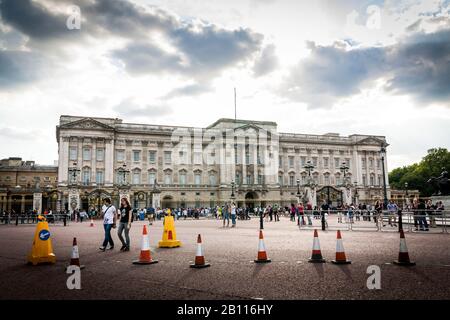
(291, 162)
(86, 176)
(136, 155)
(100, 177)
(212, 179)
(136, 177)
(197, 179)
(100, 154)
(325, 162)
(152, 156)
(73, 153)
(280, 180)
(167, 157)
(336, 163)
(120, 155)
(86, 154)
(291, 181)
(151, 178)
(168, 178)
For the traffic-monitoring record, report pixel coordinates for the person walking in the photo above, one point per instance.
(109, 222)
(226, 215)
(233, 215)
(378, 212)
(126, 217)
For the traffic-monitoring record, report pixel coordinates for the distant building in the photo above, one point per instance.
(171, 166)
(25, 186)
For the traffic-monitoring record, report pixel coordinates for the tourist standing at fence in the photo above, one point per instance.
(414, 209)
(378, 211)
(422, 216)
(392, 211)
(431, 212)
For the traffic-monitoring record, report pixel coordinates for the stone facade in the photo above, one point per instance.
(195, 167)
(26, 186)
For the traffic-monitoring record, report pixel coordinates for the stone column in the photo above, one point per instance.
(94, 162)
(37, 202)
(109, 163)
(63, 162)
(255, 163)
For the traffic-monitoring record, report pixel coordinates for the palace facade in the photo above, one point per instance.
(247, 161)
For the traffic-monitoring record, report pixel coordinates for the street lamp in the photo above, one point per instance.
(383, 154)
(356, 192)
(406, 194)
(344, 168)
(73, 172)
(309, 167)
(298, 188)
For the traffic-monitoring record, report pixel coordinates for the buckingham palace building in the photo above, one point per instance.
(245, 161)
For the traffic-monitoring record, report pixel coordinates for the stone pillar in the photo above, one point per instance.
(311, 196)
(346, 195)
(37, 202)
(156, 200)
(63, 162)
(109, 163)
(94, 162)
(59, 203)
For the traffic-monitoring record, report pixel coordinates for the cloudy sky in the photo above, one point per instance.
(349, 66)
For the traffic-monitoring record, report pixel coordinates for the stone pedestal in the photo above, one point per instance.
(346, 195)
(445, 200)
(311, 196)
(156, 200)
(74, 200)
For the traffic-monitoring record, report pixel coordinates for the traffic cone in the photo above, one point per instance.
(92, 222)
(145, 257)
(340, 252)
(316, 255)
(75, 260)
(262, 255)
(169, 237)
(199, 258)
(403, 256)
(42, 250)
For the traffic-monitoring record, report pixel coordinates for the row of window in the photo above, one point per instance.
(136, 178)
(314, 162)
(87, 154)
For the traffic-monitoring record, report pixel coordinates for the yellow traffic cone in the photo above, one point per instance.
(169, 237)
(42, 250)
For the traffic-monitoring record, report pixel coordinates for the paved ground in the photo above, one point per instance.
(111, 275)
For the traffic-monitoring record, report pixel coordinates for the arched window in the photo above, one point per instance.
(136, 176)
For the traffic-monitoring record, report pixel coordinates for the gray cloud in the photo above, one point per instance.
(418, 66)
(267, 62)
(35, 20)
(19, 67)
(189, 90)
(128, 108)
(202, 51)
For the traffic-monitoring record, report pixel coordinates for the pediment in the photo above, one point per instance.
(248, 127)
(86, 123)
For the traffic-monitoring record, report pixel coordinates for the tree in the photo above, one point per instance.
(417, 174)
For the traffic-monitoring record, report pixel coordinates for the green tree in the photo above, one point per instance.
(417, 174)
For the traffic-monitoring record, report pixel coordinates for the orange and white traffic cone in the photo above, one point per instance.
(403, 255)
(92, 222)
(316, 255)
(145, 256)
(262, 255)
(199, 257)
(340, 252)
(75, 259)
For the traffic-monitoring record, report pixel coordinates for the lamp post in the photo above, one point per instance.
(406, 195)
(298, 190)
(344, 168)
(356, 193)
(73, 172)
(383, 154)
(232, 191)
